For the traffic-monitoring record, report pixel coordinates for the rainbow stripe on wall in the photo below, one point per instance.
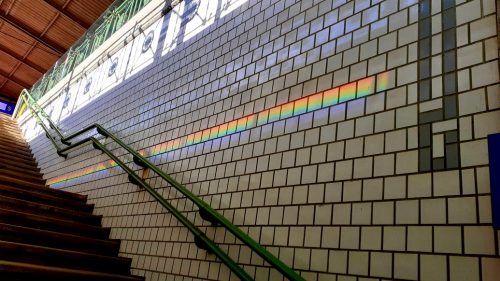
(313, 102)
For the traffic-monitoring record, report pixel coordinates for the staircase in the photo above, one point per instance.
(48, 234)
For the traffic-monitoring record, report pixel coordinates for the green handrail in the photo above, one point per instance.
(40, 122)
(206, 211)
(29, 100)
(201, 240)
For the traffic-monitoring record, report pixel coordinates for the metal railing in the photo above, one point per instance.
(206, 212)
(107, 24)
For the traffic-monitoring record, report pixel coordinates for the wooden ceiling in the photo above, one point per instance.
(35, 33)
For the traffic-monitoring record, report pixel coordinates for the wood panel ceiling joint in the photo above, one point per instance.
(65, 14)
(19, 26)
(35, 33)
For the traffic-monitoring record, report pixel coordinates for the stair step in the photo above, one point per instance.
(13, 137)
(21, 175)
(53, 224)
(15, 204)
(17, 182)
(16, 271)
(39, 237)
(40, 188)
(18, 252)
(10, 126)
(18, 143)
(44, 198)
(12, 150)
(14, 142)
(32, 166)
(33, 171)
(9, 123)
(45, 233)
(11, 131)
(7, 119)
(9, 134)
(21, 163)
(12, 170)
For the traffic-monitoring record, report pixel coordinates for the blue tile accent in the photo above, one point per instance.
(7, 107)
(494, 155)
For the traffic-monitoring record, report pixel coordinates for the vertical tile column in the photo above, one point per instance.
(438, 147)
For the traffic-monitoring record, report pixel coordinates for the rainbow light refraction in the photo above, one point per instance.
(313, 102)
(83, 172)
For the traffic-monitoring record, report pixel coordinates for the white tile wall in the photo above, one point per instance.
(336, 193)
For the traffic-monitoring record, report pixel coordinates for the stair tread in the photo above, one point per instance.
(12, 125)
(46, 233)
(14, 150)
(11, 133)
(30, 166)
(15, 159)
(12, 130)
(14, 142)
(51, 223)
(20, 163)
(47, 198)
(40, 237)
(42, 271)
(53, 255)
(24, 155)
(34, 172)
(36, 208)
(23, 183)
(19, 174)
(17, 152)
(42, 191)
(13, 136)
(15, 139)
(41, 188)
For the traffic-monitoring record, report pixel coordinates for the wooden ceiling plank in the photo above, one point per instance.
(13, 55)
(9, 7)
(64, 13)
(50, 24)
(14, 69)
(14, 79)
(3, 83)
(41, 35)
(51, 45)
(33, 63)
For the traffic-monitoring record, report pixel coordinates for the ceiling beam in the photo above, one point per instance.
(51, 45)
(64, 13)
(13, 79)
(7, 97)
(15, 56)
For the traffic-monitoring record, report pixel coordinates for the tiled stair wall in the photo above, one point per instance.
(387, 180)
